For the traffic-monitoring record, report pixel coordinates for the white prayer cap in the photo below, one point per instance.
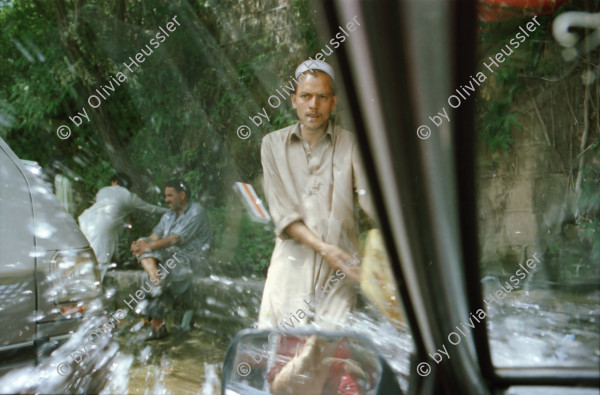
(315, 65)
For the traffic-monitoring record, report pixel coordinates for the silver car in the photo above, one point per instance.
(48, 273)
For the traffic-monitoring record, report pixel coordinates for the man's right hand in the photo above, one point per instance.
(332, 254)
(140, 247)
(340, 259)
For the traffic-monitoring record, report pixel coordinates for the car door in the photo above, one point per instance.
(17, 262)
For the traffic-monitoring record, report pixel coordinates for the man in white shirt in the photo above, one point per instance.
(103, 222)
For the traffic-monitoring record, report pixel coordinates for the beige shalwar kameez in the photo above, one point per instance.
(316, 187)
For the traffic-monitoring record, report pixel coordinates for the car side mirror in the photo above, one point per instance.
(260, 362)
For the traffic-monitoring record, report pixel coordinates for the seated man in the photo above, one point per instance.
(182, 235)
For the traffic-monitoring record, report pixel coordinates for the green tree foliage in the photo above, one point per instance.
(574, 252)
(495, 120)
(175, 116)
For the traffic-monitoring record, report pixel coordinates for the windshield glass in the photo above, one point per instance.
(538, 159)
(149, 122)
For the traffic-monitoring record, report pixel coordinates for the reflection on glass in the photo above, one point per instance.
(303, 364)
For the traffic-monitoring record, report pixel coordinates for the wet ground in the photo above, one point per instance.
(181, 363)
(531, 328)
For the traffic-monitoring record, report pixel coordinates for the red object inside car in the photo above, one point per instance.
(501, 10)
